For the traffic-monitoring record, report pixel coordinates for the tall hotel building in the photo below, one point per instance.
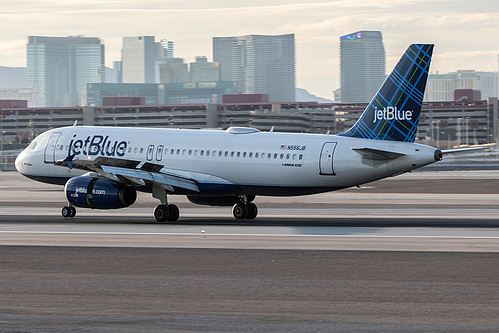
(141, 57)
(362, 66)
(61, 67)
(259, 64)
(138, 57)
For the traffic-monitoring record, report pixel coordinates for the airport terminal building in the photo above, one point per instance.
(442, 124)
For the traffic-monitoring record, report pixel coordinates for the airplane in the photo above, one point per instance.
(104, 167)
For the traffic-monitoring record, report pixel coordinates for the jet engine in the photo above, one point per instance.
(99, 193)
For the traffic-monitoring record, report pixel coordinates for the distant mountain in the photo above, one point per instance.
(12, 77)
(302, 95)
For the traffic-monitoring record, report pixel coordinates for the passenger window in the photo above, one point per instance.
(287, 156)
(201, 153)
(275, 156)
(250, 155)
(300, 157)
(256, 155)
(207, 153)
(244, 154)
(226, 153)
(282, 156)
(238, 154)
(231, 154)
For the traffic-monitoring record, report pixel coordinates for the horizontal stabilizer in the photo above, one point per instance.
(377, 154)
(463, 150)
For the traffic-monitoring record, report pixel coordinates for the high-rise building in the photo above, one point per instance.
(141, 57)
(173, 70)
(117, 69)
(201, 70)
(259, 64)
(440, 87)
(362, 66)
(61, 67)
(138, 56)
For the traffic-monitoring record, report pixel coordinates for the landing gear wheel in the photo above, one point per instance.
(173, 213)
(161, 213)
(252, 211)
(68, 211)
(240, 211)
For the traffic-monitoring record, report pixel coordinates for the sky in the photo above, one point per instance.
(465, 33)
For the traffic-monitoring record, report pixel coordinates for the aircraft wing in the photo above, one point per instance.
(130, 171)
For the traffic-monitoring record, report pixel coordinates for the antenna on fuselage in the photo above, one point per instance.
(272, 129)
(76, 122)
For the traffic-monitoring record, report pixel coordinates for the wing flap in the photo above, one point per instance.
(155, 177)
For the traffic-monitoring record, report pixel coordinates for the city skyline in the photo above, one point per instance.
(464, 33)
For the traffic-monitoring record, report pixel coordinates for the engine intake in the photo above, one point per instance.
(99, 193)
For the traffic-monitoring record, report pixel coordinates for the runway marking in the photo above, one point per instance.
(240, 235)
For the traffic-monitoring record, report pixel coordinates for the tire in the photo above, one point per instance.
(66, 211)
(73, 211)
(161, 213)
(240, 211)
(252, 211)
(174, 213)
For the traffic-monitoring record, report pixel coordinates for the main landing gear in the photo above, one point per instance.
(163, 213)
(245, 209)
(68, 211)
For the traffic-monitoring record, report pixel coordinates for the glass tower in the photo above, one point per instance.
(362, 66)
(259, 64)
(61, 67)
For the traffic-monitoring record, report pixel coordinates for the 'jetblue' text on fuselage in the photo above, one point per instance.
(97, 144)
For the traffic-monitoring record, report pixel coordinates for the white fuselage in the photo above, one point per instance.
(237, 161)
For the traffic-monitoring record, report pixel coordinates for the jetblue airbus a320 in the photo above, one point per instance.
(104, 167)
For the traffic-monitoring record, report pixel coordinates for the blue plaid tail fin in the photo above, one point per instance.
(393, 113)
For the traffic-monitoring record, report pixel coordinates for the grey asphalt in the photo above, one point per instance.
(84, 289)
(428, 262)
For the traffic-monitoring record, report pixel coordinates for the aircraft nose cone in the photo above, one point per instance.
(19, 163)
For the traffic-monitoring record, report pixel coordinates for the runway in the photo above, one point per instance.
(425, 211)
(415, 253)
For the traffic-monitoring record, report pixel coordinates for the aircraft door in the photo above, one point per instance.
(326, 166)
(49, 153)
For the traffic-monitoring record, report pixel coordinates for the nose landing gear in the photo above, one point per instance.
(68, 211)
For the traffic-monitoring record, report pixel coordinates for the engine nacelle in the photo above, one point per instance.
(99, 193)
(217, 201)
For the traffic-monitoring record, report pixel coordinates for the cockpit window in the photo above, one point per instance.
(32, 145)
(39, 141)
